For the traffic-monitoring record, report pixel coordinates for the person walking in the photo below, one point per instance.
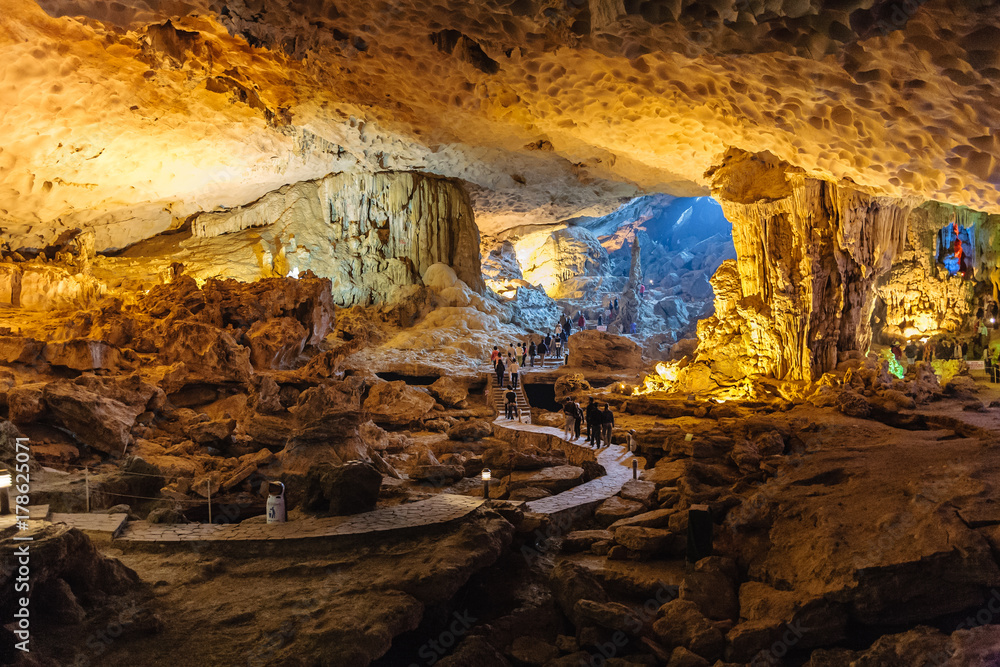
(494, 355)
(569, 421)
(542, 349)
(558, 328)
(607, 424)
(558, 350)
(579, 420)
(911, 353)
(514, 368)
(593, 424)
(524, 352)
(510, 407)
(600, 320)
(532, 350)
(511, 350)
(642, 290)
(500, 368)
(581, 323)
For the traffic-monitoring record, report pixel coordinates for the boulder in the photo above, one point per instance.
(26, 403)
(647, 542)
(571, 384)
(554, 480)
(976, 646)
(437, 474)
(532, 651)
(81, 354)
(68, 575)
(211, 431)
(592, 349)
(471, 430)
(276, 343)
(103, 423)
(581, 540)
(642, 491)
(397, 404)
(208, 354)
(609, 615)
(654, 519)
(713, 591)
(682, 657)
(853, 404)
(166, 515)
(681, 624)
(19, 349)
(342, 489)
(571, 582)
(449, 393)
(528, 493)
(474, 650)
(615, 508)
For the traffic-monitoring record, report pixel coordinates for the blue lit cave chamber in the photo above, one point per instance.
(956, 249)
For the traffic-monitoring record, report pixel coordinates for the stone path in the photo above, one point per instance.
(617, 461)
(439, 509)
(97, 523)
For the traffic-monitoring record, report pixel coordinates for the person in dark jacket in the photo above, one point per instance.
(542, 349)
(500, 371)
(510, 407)
(607, 424)
(593, 424)
(579, 420)
(532, 351)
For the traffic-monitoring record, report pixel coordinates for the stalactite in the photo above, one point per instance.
(369, 232)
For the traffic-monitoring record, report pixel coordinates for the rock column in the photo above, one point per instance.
(809, 255)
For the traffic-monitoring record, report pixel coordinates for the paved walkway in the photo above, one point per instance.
(617, 461)
(439, 509)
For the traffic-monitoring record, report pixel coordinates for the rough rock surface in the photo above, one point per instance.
(592, 349)
(508, 99)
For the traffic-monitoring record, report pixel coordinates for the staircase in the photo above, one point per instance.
(495, 395)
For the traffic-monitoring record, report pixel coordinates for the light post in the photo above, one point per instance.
(486, 483)
(5, 481)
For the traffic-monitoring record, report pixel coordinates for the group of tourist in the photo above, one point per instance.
(928, 350)
(610, 313)
(599, 422)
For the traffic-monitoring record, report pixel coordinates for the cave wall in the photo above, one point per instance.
(809, 253)
(370, 233)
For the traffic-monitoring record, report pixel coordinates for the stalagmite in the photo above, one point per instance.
(809, 255)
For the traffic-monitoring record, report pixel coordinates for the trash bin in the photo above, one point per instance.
(699, 538)
(275, 502)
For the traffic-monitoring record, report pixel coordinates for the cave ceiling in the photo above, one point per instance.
(128, 117)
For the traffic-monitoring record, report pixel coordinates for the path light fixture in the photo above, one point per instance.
(5, 482)
(486, 483)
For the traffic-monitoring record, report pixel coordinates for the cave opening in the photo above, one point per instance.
(583, 264)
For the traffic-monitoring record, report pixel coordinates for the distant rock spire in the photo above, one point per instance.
(635, 270)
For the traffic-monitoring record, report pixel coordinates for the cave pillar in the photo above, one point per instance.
(809, 253)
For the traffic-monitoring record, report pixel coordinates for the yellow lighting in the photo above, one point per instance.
(5, 479)
(664, 379)
(486, 474)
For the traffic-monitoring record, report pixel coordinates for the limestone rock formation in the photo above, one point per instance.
(369, 234)
(919, 297)
(803, 287)
(592, 349)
